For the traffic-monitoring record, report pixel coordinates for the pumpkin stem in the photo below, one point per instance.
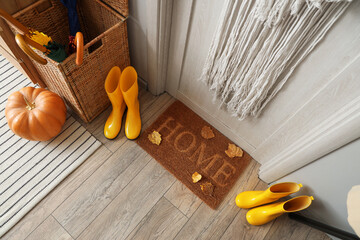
(30, 106)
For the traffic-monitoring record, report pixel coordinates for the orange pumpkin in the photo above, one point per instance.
(35, 113)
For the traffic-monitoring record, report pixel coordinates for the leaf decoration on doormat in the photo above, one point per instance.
(196, 177)
(207, 133)
(184, 151)
(155, 137)
(234, 151)
(207, 188)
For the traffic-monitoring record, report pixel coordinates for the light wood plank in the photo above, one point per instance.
(49, 229)
(146, 99)
(241, 229)
(316, 234)
(182, 198)
(281, 229)
(301, 231)
(85, 204)
(126, 211)
(45, 207)
(206, 223)
(286, 228)
(155, 110)
(164, 221)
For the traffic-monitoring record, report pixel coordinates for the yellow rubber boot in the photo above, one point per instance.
(264, 214)
(249, 199)
(130, 90)
(113, 90)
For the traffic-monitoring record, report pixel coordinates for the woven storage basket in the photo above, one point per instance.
(106, 45)
(122, 6)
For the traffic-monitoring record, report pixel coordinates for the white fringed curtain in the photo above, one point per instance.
(257, 46)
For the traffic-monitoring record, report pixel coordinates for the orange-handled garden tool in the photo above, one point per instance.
(24, 42)
(79, 41)
(21, 28)
(42, 42)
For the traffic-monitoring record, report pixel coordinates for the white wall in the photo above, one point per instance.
(318, 91)
(137, 33)
(329, 179)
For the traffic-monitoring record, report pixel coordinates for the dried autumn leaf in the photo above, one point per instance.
(196, 177)
(234, 151)
(155, 137)
(207, 188)
(207, 133)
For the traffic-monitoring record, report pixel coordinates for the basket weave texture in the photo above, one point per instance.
(122, 6)
(106, 45)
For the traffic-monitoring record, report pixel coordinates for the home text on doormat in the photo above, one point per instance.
(189, 145)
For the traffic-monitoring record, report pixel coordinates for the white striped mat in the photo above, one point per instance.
(28, 169)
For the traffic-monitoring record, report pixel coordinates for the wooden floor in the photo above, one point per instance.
(120, 192)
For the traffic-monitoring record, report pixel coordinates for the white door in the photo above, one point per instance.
(317, 111)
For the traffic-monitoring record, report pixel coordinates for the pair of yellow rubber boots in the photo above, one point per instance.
(264, 214)
(122, 90)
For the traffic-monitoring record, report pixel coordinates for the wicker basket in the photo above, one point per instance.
(106, 45)
(122, 6)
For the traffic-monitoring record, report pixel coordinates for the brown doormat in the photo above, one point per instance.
(183, 151)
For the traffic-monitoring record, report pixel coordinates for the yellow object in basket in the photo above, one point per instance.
(40, 38)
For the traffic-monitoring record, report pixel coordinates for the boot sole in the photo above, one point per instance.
(134, 138)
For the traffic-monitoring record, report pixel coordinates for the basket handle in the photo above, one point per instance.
(10, 19)
(79, 41)
(24, 43)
